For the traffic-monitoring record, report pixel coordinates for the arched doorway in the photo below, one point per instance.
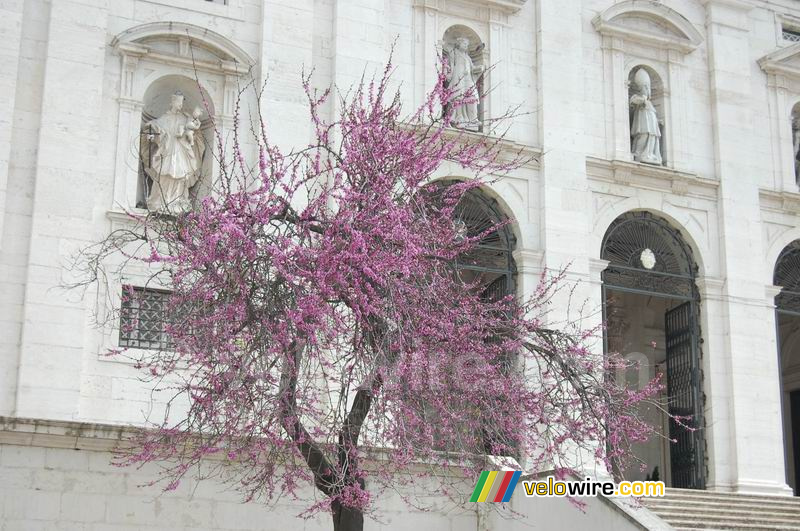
(787, 319)
(651, 310)
(489, 268)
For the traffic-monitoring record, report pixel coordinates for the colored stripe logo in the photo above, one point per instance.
(495, 486)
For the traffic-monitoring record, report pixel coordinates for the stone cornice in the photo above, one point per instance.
(531, 155)
(650, 177)
(62, 434)
(781, 202)
(505, 6)
(779, 62)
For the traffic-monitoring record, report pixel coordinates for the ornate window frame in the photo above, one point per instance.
(626, 46)
(142, 63)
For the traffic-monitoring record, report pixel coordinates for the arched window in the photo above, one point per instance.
(647, 254)
(491, 259)
(787, 276)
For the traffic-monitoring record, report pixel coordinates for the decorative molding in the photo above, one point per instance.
(770, 292)
(740, 5)
(509, 149)
(528, 260)
(650, 177)
(780, 62)
(596, 267)
(710, 288)
(684, 37)
(504, 6)
(781, 202)
(232, 59)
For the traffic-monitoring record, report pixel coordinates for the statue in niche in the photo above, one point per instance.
(796, 144)
(176, 160)
(645, 126)
(462, 78)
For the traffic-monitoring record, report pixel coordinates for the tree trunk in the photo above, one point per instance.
(346, 518)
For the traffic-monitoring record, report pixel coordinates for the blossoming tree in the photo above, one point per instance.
(323, 334)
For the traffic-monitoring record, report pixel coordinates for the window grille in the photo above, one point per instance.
(144, 316)
(791, 35)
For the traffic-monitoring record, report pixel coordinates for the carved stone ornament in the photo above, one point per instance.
(462, 77)
(645, 129)
(175, 165)
(648, 259)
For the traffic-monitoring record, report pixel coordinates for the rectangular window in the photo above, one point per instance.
(791, 35)
(144, 315)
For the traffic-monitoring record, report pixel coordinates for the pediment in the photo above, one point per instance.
(181, 43)
(649, 22)
(785, 61)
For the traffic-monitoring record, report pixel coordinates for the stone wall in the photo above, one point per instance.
(728, 186)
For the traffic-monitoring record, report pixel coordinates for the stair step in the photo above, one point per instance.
(727, 512)
(689, 523)
(667, 504)
(733, 496)
(720, 519)
(686, 509)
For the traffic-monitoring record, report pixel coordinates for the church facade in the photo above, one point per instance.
(663, 140)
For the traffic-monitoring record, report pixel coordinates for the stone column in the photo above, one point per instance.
(67, 172)
(676, 103)
(564, 194)
(756, 453)
(10, 40)
(288, 31)
(719, 434)
(618, 143)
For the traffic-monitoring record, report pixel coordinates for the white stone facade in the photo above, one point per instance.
(74, 85)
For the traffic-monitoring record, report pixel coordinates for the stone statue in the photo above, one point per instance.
(193, 125)
(177, 160)
(645, 127)
(796, 145)
(462, 78)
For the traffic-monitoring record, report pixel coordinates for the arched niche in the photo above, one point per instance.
(478, 74)
(155, 103)
(646, 32)
(155, 60)
(638, 110)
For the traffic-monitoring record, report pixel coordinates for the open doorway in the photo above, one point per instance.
(651, 308)
(787, 318)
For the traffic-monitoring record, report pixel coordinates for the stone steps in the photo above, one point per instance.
(691, 510)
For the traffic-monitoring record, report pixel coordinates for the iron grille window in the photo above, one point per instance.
(144, 316)
(791, 35)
